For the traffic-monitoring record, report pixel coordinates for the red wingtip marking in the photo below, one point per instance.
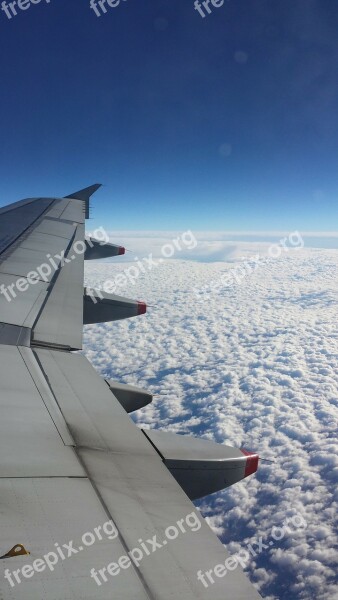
(251, 462)
(142, 308)
(122, 250)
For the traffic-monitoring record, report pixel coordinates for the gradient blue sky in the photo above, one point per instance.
(226, 122)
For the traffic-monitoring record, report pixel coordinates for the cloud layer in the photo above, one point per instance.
(253, 365)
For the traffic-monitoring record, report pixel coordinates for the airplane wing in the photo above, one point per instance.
(103, 508)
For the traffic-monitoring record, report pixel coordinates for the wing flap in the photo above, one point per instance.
(30, 443)
(58, 228)
(24, 261)
(75, 211)
(91, 397)
(47, 245)
(57, 209)
(61, 319)
(20, 307)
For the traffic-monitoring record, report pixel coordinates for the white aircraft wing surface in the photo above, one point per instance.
(103, 508)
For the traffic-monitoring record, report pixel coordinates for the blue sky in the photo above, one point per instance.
(223, 122)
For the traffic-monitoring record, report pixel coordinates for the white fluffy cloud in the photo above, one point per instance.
(253, 365)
